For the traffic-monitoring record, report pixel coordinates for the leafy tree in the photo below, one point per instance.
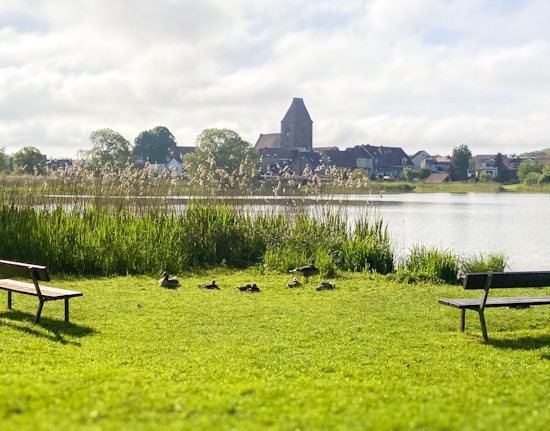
(222, 149)
(109, 147)
(29, 160)
(154, 144)
(532, 178)
(408, 174)
(545, 177)
(526, 168)
(4, 163)
(424, 173)
(536, 153)
(460, 160)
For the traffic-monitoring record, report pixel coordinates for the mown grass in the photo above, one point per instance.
(372, 354)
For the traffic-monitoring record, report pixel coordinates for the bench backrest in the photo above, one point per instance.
(507, 280)
(23, 270)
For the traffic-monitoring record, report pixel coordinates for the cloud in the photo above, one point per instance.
(423, 74)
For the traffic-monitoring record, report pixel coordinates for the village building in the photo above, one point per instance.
(417, 158)
(437, 163)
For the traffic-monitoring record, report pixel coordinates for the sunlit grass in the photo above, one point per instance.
(371, 354)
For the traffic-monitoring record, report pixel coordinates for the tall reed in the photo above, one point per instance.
(110, 240)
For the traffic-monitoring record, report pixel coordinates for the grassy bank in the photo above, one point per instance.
(372, 354)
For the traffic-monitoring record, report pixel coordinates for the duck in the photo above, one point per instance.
(306, 271)
(249, 288)
(168, 282)
(211, 285)
(325, 285)
(294, 283)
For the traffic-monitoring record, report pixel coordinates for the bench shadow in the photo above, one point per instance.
(57, 330)
(524, 343)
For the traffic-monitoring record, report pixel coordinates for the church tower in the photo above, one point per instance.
(297, 127)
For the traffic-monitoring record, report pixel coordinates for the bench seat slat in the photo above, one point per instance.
(48, 292)
(507, 280)
(474, 303)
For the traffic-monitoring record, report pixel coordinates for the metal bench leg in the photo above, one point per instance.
(483, 327)
(9, 300)
(66, 309)
(462, 319)
(40, 305)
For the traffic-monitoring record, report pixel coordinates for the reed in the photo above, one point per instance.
(491, 262)
(109, 240)
(429, 264)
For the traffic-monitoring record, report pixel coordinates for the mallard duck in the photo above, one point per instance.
(211, 285)
(250, 288)
(306, 271)
(294, 283)
(168, 282)
(325, 285)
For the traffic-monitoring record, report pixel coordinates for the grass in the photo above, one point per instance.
(372, 354)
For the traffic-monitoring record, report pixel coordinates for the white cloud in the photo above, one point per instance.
(422, 74)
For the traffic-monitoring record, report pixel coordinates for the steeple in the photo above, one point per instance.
(297, 127)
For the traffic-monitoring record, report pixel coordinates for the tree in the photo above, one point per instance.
(4, 165)
(109, 147)
(222, 149)
(154, 144)
(461, 159)
(526, 168)
(29, 160)
(424, 173)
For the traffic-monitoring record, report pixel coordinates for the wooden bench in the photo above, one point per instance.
(36, 273)
(499, 280)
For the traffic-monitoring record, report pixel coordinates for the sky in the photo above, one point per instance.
(418, 74)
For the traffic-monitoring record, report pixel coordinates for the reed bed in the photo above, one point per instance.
(112, 240)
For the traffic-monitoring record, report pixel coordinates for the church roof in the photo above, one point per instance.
(269, 140)
(297, 112)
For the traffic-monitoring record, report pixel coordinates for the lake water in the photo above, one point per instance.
(516, 224)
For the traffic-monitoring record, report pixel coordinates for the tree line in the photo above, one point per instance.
(222, 151)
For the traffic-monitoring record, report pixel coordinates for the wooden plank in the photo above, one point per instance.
(20, 269)
(507, 280)
(48, 292)
(475, 303)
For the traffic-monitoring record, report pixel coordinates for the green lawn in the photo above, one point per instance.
(371, 354)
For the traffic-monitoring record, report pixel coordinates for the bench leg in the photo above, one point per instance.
(9, 300)
(462, 319)
(40, 305)
(66, 309)
(483, 327)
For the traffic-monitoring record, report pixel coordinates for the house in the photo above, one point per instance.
(274, 160)
(157, 168)
(418, 157)
(388, 161)
(54, 164)
(174, 165)
(437, 163)
(334, 157)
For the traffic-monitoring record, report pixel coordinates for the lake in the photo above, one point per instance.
(472, 223)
